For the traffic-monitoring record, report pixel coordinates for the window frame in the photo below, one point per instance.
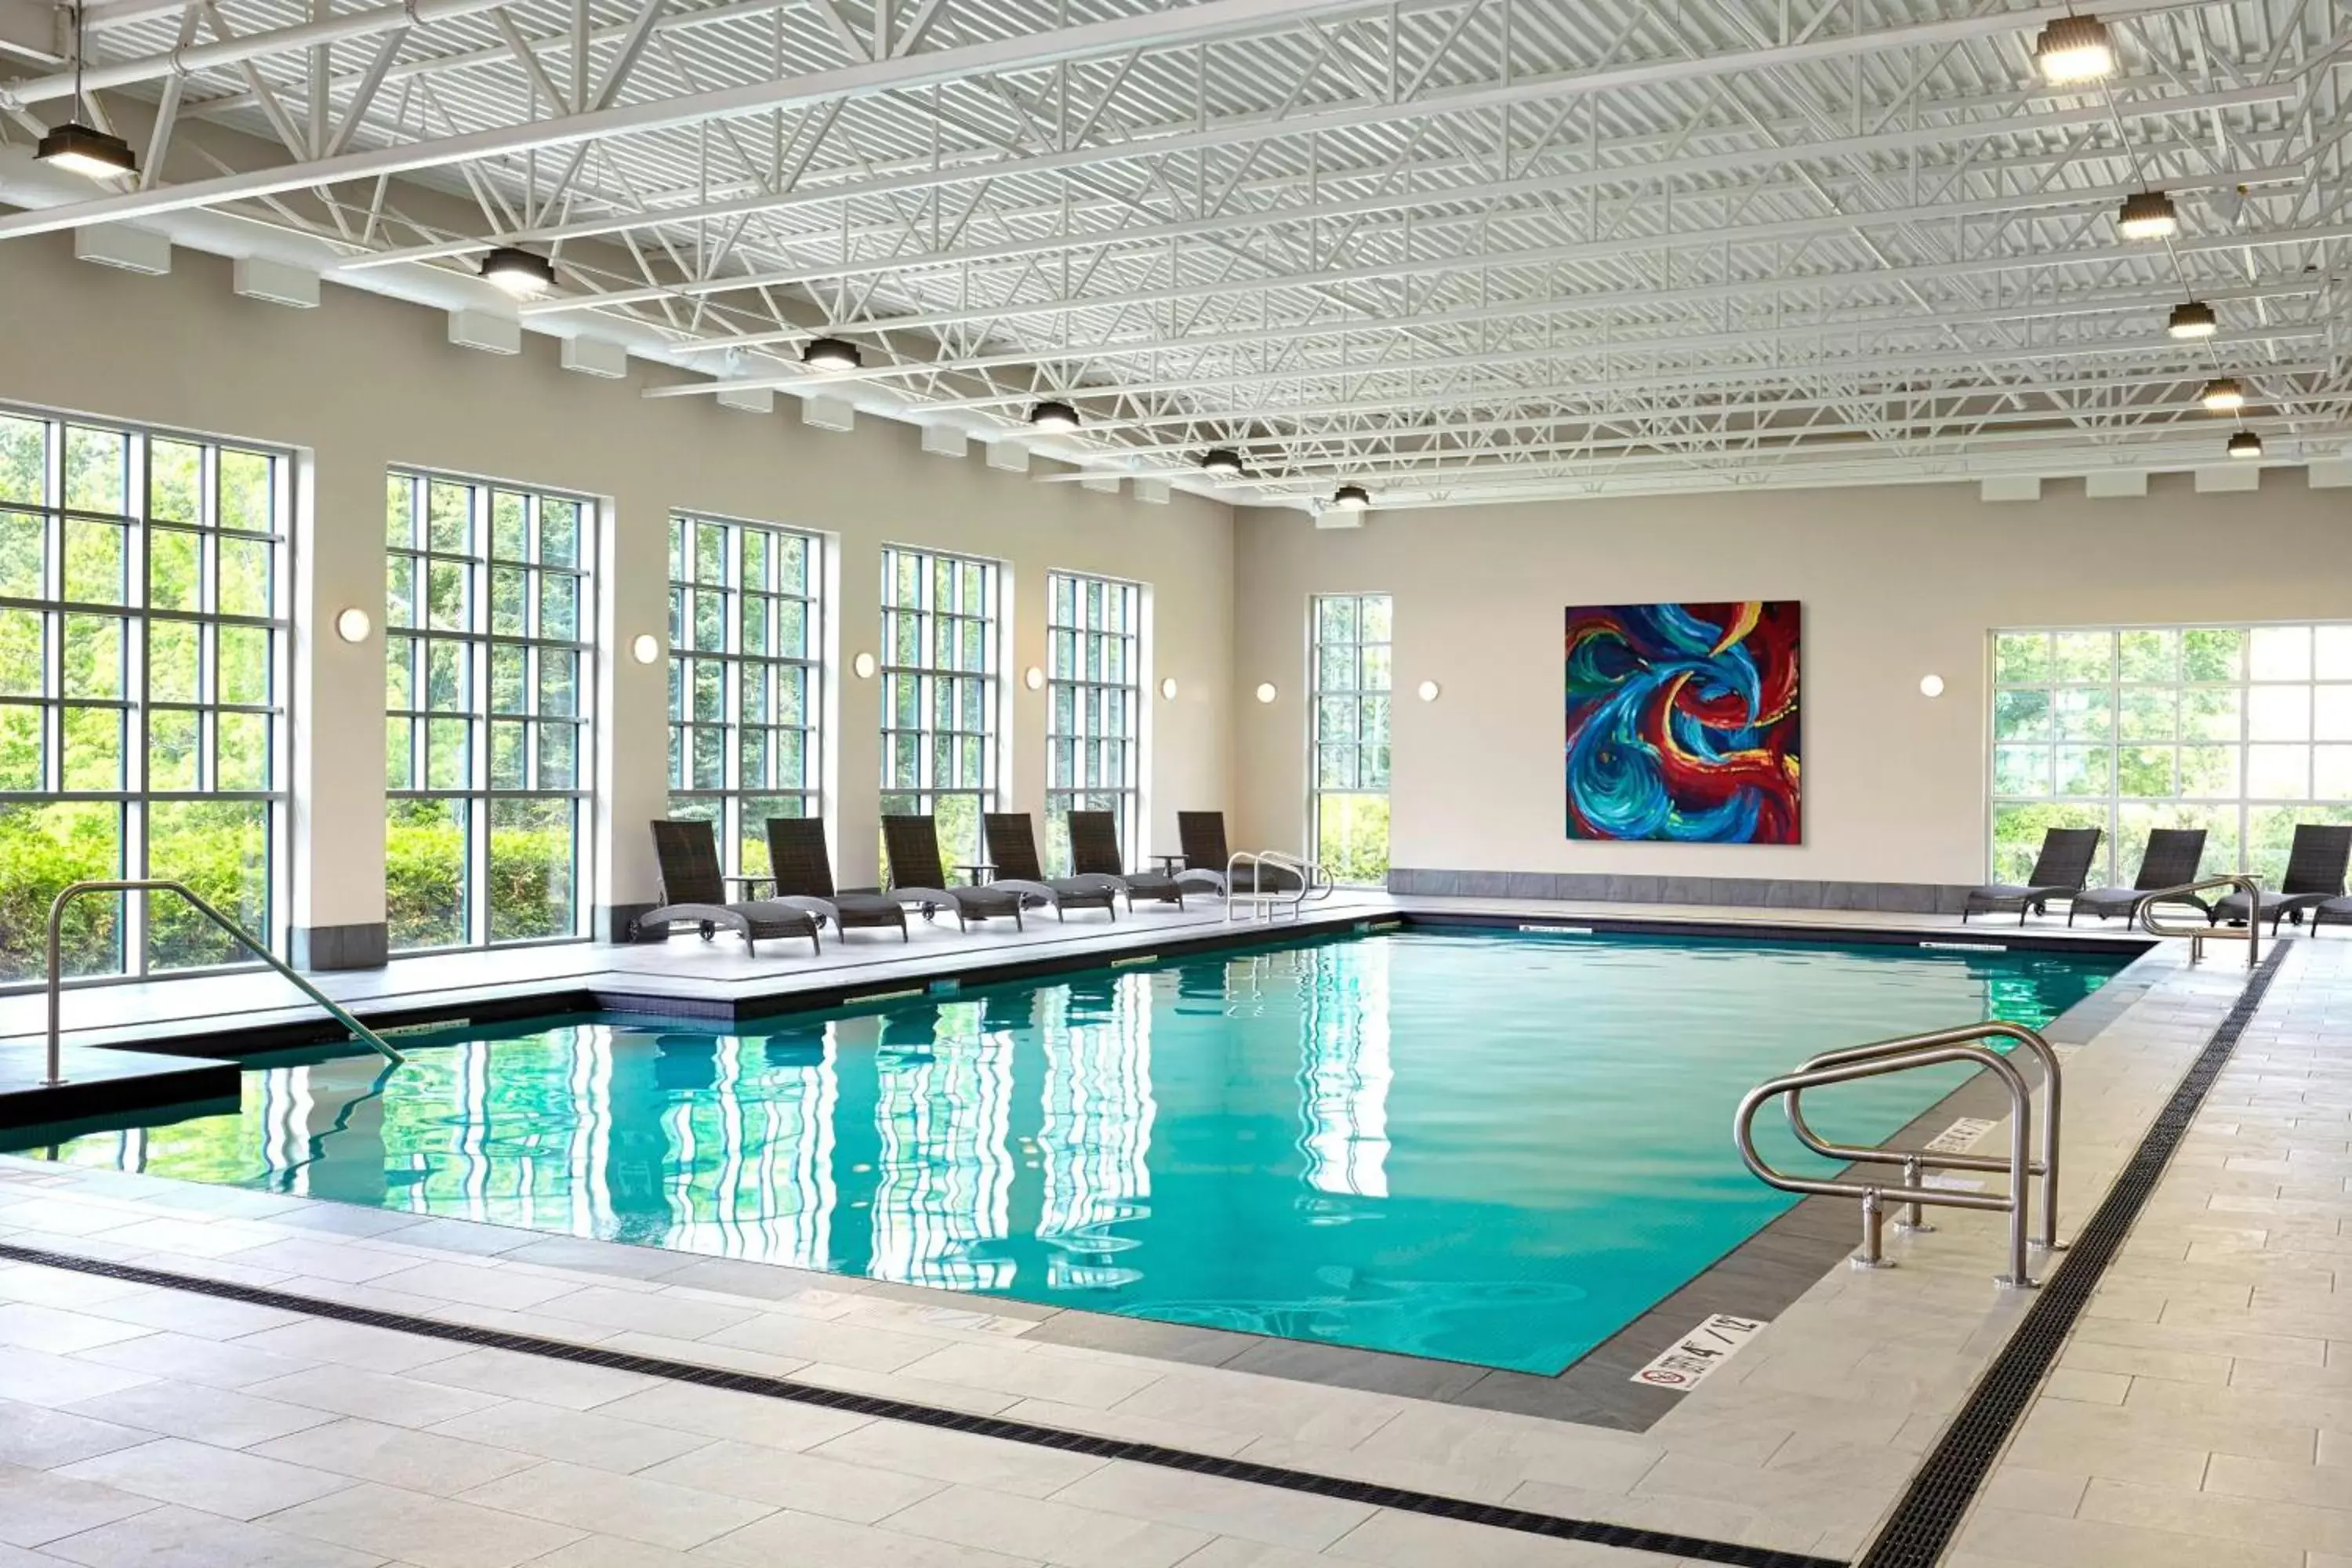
(480, 562)
(2241, 805)
(1091, 698)
(1362, 696)
(737, 836)
(926, 673)
(136, 794)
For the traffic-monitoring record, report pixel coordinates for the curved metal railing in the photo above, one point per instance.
(1876, 1195)
(1272, 900)
(251, 944)
(2251, 936)
(1915, 1161)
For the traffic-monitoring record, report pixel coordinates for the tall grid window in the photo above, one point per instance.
(938, 693)
(2242, 731)
(143, 712)
(746, 689)
(488, 684)
(1094, 628)
(1351, 804)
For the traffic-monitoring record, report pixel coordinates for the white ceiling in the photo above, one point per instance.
(1452, 250)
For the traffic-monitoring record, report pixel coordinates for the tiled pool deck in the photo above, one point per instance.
(2201, 1411)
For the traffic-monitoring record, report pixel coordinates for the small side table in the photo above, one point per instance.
(978, 873)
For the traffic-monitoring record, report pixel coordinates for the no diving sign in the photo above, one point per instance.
(1688, 1362)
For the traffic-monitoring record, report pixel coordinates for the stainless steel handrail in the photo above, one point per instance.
(2252, 936)
(1915, 1161)
(1258, 896)
(1873, 1195)
(148, 885)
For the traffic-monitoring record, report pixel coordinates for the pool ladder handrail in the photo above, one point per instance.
(2251, 936)
(67, 895)
(1962, 1042)
(1272, 900)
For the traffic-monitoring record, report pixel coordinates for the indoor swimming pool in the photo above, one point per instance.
(1485, 1147)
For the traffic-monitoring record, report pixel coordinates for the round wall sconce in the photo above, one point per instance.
(352, 624)
(644, 648)
(1168, 689)
(1427, 690)
(1931, 686)
(863, 664)
(1265, 692)
(1032, 678)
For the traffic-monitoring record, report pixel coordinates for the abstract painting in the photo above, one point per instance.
(1682, 722)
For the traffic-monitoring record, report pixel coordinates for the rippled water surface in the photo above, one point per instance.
(1493, 1149)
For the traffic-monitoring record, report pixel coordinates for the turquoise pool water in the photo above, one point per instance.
(1485, 1148)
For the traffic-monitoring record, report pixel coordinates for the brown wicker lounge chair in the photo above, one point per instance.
(695, 893)
(1202, 835)
(2315, 865)
(2171, 860)
(2059, 872)
(916, 875)
(804, 871)
(1094, 852)
(1012, 849)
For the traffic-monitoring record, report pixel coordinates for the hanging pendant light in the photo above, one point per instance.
(1352, 498)
(1054, 416)
(832, 353)
(2148, 215)
(520, 273)
(1222, 461)
(2245, 444)
(2072, 49)
(80, 149)
(2193, 319)
(2223, 395)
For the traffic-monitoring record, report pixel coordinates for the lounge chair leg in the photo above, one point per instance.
(816, 945)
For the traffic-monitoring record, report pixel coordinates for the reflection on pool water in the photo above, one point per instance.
(1486, 1148)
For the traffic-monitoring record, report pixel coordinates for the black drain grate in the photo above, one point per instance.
(1524, 1521)
(1922, 1525)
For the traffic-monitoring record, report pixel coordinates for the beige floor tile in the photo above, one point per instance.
(1217, 1506)
(631, 1507)
(214, 1416)
(377, 1396)
(600, 1441)
(860, 1493)
(806, 1541)
(216, 1480)
(38, 1506)
(170, 1537)
(397, 1457)
(539, 1379)
(185, 1358)
(37, 1437)
(1418, 1541)
(58, 1330)
(427, 1532)
(1046, 1531)
(944, 1454)
(724, 1413)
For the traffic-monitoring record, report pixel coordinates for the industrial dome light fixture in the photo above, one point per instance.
(2245, 444)
(80, 149)
(521, 273)
(2148, 215)
(2223, 395)
(1223, 461)
(2072, 49)
(832, 353)
(1054, 416)
(2194, 318)
(1352, 498)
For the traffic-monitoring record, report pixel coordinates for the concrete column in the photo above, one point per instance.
(853, 790)
(337, 915)
(632, 762)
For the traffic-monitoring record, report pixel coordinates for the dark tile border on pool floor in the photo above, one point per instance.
(1529, 1521)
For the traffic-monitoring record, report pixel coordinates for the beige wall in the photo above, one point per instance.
(365, 381)
(1897, 583)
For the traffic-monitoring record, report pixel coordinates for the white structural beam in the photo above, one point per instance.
(1210, 19)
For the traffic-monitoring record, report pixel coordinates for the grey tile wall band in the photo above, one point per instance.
(1923, 1523)
(1525, 1521)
